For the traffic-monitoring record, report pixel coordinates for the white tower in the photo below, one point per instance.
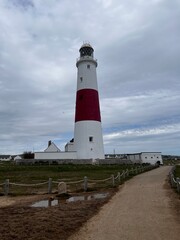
(88, 140)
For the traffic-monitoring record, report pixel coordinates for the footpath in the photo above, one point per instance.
(144, 208)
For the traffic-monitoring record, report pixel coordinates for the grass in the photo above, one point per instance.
(27, 174)
(177, 171)
(67, 172)
(171, 161)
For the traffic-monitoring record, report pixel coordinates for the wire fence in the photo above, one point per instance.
(64, 185)
(175, 182)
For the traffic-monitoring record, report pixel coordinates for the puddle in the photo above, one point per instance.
(55, 202)
(46, 203)
(88, 197)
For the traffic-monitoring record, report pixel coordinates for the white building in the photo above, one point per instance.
(53, 152)
(52, 147)
(87, 142)
(146, 157)
(5, 158)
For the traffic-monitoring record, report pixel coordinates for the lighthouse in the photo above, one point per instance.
(88, 141)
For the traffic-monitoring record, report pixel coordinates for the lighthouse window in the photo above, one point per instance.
(81, 78)
(91, 139)
(88, 66)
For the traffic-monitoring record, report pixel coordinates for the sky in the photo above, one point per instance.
(137, 46)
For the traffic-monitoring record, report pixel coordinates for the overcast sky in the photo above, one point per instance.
(137, 45)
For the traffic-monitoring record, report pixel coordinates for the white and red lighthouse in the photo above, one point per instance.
(88, 141)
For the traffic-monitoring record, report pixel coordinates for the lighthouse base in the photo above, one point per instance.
(88, 142)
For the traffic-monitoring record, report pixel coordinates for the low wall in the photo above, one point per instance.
(55, 155)
(113, 161)
(72, 161)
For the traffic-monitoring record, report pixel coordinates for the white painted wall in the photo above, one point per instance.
(69, 147)
(55, 155)
(7, 158)
(88, 75)
(52, 148)
(151, 157)
(145, 157)
(135, 158)
(86, 149)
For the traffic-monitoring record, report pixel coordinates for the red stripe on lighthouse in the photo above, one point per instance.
(87, 105)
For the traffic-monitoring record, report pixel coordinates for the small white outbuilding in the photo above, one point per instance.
(146, 157)
(52, 152)
(52, 147)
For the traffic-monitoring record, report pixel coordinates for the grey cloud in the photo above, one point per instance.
(136, 43)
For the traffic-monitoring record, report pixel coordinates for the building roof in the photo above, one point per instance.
(141, 153)
(5, 156)
(52, 148)
(86, 45)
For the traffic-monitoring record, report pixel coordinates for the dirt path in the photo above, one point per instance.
(142, 210)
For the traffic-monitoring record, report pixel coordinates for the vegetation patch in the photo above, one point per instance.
(25, 179)
(177, 171)
(27, 174)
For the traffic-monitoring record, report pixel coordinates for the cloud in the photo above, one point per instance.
(146, 132)
(138, 71)
(141, 109)
(158, 138)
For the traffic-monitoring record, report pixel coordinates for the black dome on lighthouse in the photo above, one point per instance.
(86, 50)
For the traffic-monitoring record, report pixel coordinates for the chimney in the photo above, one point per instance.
(49, 143)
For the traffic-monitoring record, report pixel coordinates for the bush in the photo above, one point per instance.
(28, 155)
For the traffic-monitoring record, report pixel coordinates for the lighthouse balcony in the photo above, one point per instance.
(86, 58)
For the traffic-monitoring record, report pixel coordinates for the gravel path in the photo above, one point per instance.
(143, 209)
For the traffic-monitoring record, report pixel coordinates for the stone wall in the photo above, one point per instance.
(72, 161)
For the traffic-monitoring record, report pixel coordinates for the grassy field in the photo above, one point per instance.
(34, 174)
(177, 171)
(27, 174)
(171, 161)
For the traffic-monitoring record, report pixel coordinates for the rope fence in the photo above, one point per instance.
(99, 180)
(28, 185)
(85, 183)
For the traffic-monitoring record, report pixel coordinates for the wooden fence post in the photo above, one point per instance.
(113, 183)
(119, 177)
(172, 181)
(85, 183)
(178, 184)
(6, 187)
(50, 186)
